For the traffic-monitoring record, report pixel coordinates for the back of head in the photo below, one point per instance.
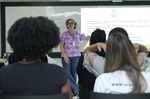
(98, 36)
(120, 52)
(121, 55)
(32, 37)
(119, 30)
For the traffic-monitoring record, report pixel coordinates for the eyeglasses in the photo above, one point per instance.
(70, 23)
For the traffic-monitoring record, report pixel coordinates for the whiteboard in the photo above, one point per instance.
(58, 14)
(89, 18)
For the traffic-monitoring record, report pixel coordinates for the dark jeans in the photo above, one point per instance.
(71, 71)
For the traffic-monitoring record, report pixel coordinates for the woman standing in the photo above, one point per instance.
(69, 45)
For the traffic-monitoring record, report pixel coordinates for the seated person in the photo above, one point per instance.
(86, 79)
(122, 72)
(31, 38)
(90, 59)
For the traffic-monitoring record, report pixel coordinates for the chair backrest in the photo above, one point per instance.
(1, 65)
(57, 96)
(94, 95)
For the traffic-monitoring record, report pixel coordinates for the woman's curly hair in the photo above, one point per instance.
(32, 37)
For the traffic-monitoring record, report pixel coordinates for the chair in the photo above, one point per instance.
(94, 95)
(57, 96)
(1, 65)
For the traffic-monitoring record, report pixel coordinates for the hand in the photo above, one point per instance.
(87, 38)
(66, 59)
(101, 46)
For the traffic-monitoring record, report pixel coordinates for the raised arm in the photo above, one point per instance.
(140, 48)
(95, 47)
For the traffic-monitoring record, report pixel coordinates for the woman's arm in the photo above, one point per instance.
(63, 53)
(86, 38)
(140, 60)
(140, 48)
(67, 89)
(95, 47)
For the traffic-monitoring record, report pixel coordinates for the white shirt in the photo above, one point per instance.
(117, 82)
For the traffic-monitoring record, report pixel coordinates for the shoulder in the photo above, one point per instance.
(106, 79)
(64, 33)
(93, 58)
(89, 54)
(51, 69)
(87, 57)
(112, 75)
(101, 82)
(104, 76)
(7, 68)
(77, 33)
(58, 69)
(55, 66)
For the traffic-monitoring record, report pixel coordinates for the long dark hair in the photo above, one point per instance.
(121, 55)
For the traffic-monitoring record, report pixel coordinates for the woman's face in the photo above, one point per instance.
(70, 25)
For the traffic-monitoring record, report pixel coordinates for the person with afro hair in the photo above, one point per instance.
(30, 39)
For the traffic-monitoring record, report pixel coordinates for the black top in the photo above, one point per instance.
(86, 79)
(36, 78)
